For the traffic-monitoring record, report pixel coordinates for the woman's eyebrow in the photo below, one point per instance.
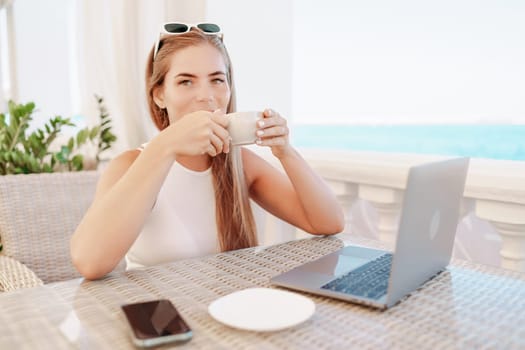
(188, 75)
(217, 73)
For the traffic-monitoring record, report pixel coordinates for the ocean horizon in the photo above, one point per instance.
(494, 141)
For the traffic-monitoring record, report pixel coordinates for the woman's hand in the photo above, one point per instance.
(199, 133)
(273, 132)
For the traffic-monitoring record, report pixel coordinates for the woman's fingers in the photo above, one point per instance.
(273, 129)
(220, 138)
(220, 118)
(201, 132)
(217, 143)
(273, 132)
(210, 149)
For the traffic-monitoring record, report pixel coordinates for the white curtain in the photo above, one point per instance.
(3, 102)
(7, 5)
(113, 41)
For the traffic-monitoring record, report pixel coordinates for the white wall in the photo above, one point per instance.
(258, 35)
(409, 60)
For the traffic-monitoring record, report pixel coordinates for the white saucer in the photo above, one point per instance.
(262, 309)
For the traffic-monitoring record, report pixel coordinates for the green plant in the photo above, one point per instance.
(23, 153)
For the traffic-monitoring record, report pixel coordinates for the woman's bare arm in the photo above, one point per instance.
(129, 186)
(125, 195)
(299, 197)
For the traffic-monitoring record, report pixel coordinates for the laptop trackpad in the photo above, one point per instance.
(335, 264)
(343, 260)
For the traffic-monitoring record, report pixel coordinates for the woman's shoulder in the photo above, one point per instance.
(116, 168)
(250, 157)
(122, 162)
(125, 159)
(254, 164)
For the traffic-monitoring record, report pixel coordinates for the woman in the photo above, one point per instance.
(186, 192)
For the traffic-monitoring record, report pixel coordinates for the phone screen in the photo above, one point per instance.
(156, 322)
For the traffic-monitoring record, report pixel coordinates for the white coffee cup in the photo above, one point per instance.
(243, 126)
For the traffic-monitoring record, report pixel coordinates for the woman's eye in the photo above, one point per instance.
(218, 81)
(185, 82)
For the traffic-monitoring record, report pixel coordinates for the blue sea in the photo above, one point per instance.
(479, 141)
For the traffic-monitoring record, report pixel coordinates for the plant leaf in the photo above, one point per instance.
(78, 162)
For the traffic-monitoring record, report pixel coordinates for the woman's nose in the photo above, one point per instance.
(205, 93)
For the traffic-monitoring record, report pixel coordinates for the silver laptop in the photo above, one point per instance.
(425, 239)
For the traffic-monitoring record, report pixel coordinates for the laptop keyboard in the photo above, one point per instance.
(368, 281)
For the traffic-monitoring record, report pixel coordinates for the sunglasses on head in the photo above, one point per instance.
(175, 28)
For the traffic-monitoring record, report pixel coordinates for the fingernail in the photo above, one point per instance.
(260, 123)
(269, 112)
(258, 141)
(260, 133)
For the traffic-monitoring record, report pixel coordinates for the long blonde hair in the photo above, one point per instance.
(234, 217)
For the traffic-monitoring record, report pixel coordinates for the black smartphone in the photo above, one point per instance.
(156, 322)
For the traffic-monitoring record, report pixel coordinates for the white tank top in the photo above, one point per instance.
(182, 222)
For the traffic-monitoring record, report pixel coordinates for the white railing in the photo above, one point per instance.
(494, 191)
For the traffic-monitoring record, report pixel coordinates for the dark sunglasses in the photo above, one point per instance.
(174, 28)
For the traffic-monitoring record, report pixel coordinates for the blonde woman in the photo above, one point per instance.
(186, 192)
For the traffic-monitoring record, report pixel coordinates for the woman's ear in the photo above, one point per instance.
(158, 97)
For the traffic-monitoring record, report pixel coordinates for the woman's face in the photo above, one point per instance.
(195, 81)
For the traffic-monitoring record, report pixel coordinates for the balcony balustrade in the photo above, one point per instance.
(494, 192)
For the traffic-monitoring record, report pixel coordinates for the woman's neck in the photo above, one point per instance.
(195, 163)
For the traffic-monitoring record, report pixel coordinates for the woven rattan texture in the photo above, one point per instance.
(38, 215)
(466, 307)
(14, 275)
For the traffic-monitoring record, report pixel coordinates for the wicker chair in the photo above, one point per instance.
(38, 214)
